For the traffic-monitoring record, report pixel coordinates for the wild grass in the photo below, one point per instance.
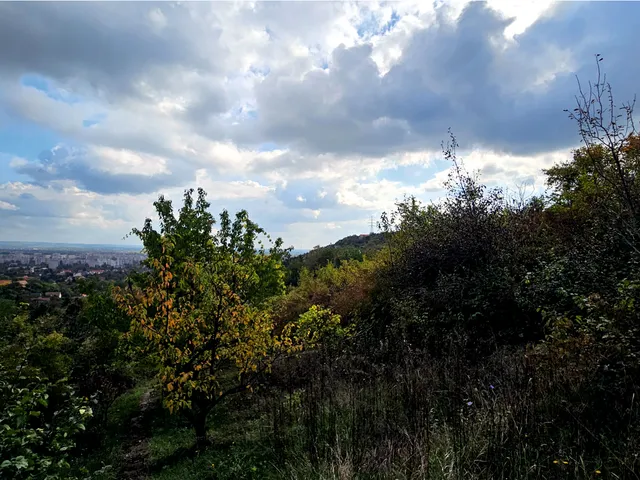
(516, 416)
(520, 414)
(106, 462)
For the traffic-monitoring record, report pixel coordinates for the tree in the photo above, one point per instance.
(203, 309)
(590, 180)
(456, 269)
(608, 162)
(101, 368)
(598, 190)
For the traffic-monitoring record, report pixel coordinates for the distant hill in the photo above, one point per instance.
(299, 251)
(351, 247)
(366, 241)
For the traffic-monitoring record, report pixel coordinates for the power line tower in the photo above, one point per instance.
(371, 225)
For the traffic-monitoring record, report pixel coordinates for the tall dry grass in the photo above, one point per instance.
(519, 414)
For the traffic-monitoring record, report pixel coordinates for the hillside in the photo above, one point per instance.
(347, 248)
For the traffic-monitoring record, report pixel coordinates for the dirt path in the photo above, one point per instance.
(136, 460)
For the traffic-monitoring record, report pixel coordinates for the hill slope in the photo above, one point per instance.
(353, 246)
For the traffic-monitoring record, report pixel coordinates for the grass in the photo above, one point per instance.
(106, 461)
(241, 447)
(507, 419)
(239, 430)
(125, 407)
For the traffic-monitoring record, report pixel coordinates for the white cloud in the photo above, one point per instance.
(121, 161)
(157, 18)
(7, 206)
(524, 14)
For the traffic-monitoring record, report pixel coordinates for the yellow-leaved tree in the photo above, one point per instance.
(203, 305)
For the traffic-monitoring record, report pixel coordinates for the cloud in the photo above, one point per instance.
(106, 48)
(59, 201)
(312, 115)
(101, 169)
(7, 206)
(497, 93)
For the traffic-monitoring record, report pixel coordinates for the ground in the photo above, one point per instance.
(149, 443)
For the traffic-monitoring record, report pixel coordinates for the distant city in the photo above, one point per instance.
(21, 262)
(56, 256)
(55, 260)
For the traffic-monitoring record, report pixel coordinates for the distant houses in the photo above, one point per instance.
(54, 298)
(48, 297)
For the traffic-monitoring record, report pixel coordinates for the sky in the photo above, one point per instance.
(313, 116)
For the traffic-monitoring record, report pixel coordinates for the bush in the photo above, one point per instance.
(38, 424)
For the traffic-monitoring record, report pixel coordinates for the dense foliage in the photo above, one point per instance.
(60, 370)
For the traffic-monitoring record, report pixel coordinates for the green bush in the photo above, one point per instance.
(38, 424)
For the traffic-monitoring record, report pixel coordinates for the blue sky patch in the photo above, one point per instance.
(391, 23)
(94, 120)
(370, 26)
(44, 85)
(413, 174)
(252, 114)
(26, 140)
(261, 71)
(269, 147)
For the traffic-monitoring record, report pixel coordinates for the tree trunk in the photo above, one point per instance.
(199, 421)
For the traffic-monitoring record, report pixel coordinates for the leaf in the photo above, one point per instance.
(20, 462)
